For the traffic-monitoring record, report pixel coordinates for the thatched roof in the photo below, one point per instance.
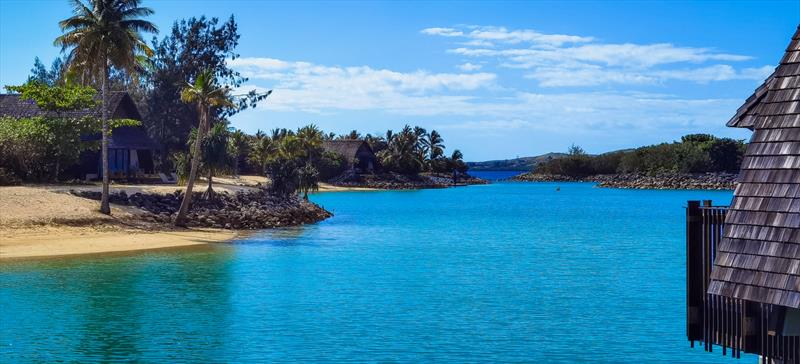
(348, 148)
(759, 256)
(120, 106)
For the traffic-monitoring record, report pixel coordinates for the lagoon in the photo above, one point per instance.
(507, 272)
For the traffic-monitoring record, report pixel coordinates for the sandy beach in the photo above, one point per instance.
(45, 220)
(39, 221)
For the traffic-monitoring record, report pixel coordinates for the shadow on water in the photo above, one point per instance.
(122, 309)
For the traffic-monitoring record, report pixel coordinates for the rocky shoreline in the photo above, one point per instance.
(663, 181)
(241, 211)
(395, 181)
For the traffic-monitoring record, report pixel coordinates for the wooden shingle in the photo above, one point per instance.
(758, 258)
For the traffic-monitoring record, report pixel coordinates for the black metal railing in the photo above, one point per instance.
(735, 325)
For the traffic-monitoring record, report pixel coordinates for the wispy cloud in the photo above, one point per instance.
(310, 87)
(467, 67)
(558, 60)
(490, 34)
(469, 101)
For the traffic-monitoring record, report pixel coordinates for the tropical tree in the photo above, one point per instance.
(261, 150)
(205, 93)
(215, 155)
(238, 148)
(187, 49)
(352, 135)
(402, 154)
(101, 35)
(434, 144)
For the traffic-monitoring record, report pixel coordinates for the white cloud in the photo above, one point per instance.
(558, 60)
(444, 32)
(469, 67)
(591, 75)
(310, 87)
(468, 101)
(501, 34)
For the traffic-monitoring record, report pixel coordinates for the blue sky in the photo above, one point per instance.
(498, 80)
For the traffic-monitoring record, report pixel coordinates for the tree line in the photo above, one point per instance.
(694, 153)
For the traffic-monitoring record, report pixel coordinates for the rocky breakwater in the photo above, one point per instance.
(661, 181)
(669, 181)
(396, 181)
(244, 210)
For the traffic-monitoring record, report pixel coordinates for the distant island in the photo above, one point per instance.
(697, 161)
(516, 164)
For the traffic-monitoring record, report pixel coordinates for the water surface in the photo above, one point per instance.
(509, 272)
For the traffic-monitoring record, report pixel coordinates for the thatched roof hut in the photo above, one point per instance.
(758, 258)
(357, 153)
(130, 148)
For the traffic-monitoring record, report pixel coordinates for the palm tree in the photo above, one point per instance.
(206, 94)
(238, 148)
(104, 34)
(216, 157)
(262, 149)
(434, 144)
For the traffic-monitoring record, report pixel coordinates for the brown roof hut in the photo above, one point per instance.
(357, 153)
(130, 148)
(743, 261)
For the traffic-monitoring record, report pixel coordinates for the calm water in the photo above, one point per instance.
(507, 272)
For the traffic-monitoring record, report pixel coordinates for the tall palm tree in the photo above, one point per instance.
(100, 35)
(205, 93)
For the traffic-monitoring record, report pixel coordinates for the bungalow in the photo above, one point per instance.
(743, 261)
(357, 153)
(130, 149)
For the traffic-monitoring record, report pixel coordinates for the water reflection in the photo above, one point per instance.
(122, 309)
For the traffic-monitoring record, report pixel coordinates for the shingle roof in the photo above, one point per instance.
(759, 256)
(120, 105)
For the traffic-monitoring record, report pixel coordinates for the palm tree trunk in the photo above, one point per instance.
(180, 219)
(209, 189)
(104, 207)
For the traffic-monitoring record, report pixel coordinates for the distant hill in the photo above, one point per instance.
(516, 164)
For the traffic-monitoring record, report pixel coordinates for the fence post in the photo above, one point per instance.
(694, 272)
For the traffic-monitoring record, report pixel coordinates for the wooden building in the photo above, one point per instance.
(357, 153)
(130, 149)
(743, 261)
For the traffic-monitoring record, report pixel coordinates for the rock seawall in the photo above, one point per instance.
(663, 181)
(395, 181)
(244, 210)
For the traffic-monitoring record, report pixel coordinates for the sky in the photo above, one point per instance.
(497, 79)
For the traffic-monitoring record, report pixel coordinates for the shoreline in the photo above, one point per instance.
(49, 220)
(664, 181)
(63, 241)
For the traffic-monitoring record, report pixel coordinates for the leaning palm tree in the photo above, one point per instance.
(101, 35)
(205, 93)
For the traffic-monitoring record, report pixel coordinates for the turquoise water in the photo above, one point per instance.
(509, 272)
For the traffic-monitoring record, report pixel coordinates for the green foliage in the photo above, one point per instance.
(331, 165)
(50, 77)
(695, 153)
(192, 46)
(215, 156)
(57, 98)
(105, 33)
(40, 148)
(183, 166)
